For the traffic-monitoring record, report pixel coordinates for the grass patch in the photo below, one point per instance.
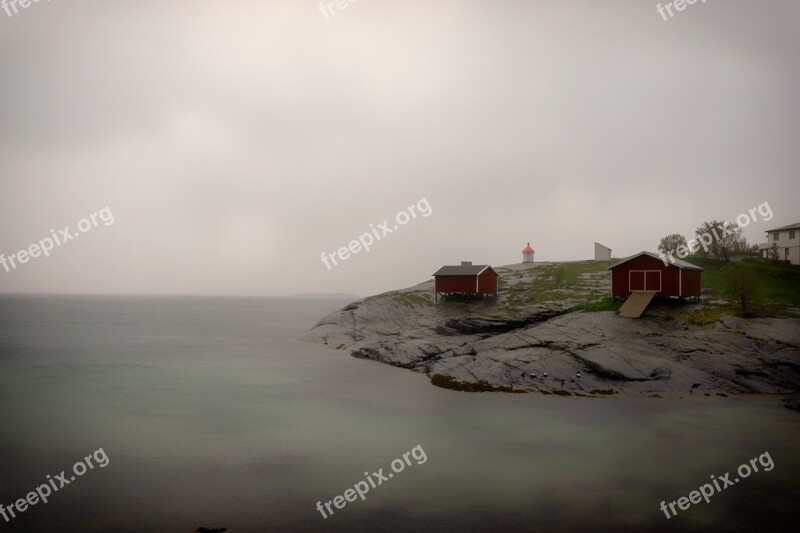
(561, 281)
(447, 382)
(568, 275)
(606, 304)
(777, 284)
(411, 299)
(706, 316)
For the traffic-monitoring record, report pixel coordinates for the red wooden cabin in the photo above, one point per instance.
(467, 279)
(647, 272)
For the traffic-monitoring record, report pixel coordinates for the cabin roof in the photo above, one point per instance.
(462, 270)
(680, 263)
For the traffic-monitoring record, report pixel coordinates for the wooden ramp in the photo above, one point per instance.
(636, 303)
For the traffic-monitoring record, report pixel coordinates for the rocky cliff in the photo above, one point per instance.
(543, 334)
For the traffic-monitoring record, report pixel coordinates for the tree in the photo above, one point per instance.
(707, 229)
(670, 243)
(718, 238)
(742, 247)
(773, 254)
(741, 285)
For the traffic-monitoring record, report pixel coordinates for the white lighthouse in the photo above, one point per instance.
(527, 254)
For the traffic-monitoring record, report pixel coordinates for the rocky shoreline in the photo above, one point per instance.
(545, 345)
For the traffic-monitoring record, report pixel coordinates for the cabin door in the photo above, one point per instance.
(636, 280)
(644, 280)
(652, 280)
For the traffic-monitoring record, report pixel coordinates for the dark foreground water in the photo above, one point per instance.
(212, 413)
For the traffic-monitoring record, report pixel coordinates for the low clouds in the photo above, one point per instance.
(234, 141)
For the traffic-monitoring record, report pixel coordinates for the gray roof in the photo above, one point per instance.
(796, 225)
(461, 270)
(680, 263)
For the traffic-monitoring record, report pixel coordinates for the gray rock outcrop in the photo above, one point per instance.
(546, 345)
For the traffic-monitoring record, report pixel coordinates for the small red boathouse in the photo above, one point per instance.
(466, 279)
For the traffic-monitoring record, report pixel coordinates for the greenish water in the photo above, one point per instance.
(212, 413)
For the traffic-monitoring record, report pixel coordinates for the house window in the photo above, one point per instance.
(775, 236)
(786, 253)
(791, 234)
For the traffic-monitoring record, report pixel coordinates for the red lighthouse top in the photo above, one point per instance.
(527, 249)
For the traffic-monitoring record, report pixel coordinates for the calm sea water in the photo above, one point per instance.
(212, 413)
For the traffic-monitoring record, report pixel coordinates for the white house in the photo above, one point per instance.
(787, 240)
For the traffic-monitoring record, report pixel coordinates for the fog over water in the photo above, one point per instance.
(212, 413)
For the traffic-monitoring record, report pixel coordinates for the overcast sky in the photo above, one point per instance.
(236, 141)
